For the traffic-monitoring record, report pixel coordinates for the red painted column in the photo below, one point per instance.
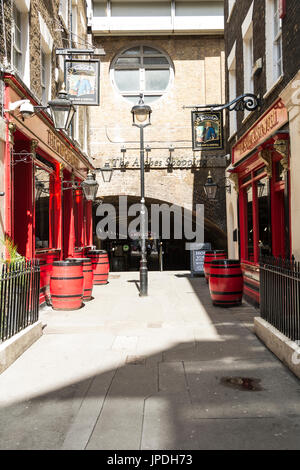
(68, 218)
(7, 162)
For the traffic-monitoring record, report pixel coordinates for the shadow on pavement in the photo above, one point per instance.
(177, 398)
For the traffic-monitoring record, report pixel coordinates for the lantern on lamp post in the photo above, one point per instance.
(141, 115)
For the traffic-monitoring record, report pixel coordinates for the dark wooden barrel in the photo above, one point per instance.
(100, 263)
(210, 256)
(226, 283)
(88, 277)
(66, 285)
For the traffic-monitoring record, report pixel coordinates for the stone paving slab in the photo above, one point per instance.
(131, 373)
(121, 420)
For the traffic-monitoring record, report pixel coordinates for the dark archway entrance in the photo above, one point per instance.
(164, 253)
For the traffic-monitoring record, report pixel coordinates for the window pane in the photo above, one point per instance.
(18, 60)
(150, 50)
(249, 199)
(132, 51)
(264, 217)
(157, 79)
(127, 80)
(42, 189)
(155, 60)
(43, 70)
(128, 61)
(142, 68)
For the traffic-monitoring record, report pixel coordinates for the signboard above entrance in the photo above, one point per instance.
(270, 122)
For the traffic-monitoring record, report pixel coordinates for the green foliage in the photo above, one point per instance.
(11, 251)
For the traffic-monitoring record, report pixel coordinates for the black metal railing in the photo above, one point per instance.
(19, 297)
(280, 295)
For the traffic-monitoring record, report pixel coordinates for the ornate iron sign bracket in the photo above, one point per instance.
(248, 101)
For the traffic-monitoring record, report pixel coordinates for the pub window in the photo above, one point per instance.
(250, 227)
(43, 183)
(264, 217)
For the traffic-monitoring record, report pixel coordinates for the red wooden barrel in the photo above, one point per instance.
(100, 263)
(210, 256)
(88, 277)
(226, 283)
(66, 285)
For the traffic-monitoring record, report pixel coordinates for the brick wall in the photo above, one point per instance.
(198, 79)
(291, 51)
(60, 34)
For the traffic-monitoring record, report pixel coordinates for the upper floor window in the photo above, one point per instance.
(64, 11)
(231, 65)
(20, 39)
(17, 40)
(43, 76)
(274, 63)
(248, 53)
(142, 69)
(46, 59)
(277, 41)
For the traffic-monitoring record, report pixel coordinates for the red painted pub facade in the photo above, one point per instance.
(45, 217)
(260, 169)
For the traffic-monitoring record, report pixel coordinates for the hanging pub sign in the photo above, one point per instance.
(207, 128)
(82, 81)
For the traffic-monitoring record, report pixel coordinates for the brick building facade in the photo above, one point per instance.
(261, 45)
(40, 164)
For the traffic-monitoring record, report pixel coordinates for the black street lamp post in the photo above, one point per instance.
(141, 114)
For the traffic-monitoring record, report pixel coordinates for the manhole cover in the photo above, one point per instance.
(242, 383)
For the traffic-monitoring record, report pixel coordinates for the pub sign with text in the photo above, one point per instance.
(207, 128)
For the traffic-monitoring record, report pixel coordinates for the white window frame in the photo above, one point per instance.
(63, 11)
(17, 49)
(75, 23)
(46, 52)
(44, 76)
(248, 54)
(142, 68)
(231, 65)
(23, 69)
(272, 39)
(277, 41)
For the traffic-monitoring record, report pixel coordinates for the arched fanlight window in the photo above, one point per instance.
(142, 69)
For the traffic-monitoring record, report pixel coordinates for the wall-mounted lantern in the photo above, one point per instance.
(107, 173)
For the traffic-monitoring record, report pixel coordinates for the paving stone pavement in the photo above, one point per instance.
(162, 372)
